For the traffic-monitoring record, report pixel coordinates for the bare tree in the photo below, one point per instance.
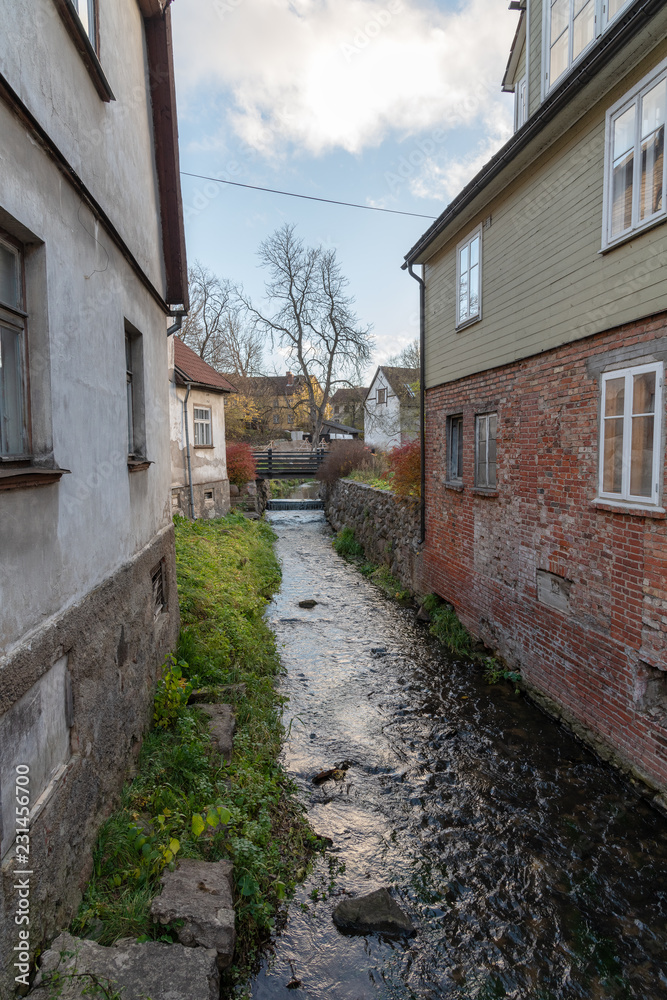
(217, 328)
(407, 358)
(313, 320)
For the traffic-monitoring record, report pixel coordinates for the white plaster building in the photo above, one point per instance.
(92, 265)
(392, 408)
(199, 482)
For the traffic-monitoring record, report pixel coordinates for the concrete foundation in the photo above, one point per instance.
(106, 649)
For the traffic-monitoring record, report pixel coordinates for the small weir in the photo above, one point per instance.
(530, 868)
(295, 504)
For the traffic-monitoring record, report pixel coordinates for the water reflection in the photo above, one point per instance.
(530, 868)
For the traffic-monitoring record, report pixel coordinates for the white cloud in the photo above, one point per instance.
(444, 179)
(327, 74)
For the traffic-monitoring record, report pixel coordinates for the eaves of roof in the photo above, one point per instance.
(609, 45)
(515, 51)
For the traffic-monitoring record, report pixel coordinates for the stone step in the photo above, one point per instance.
(221, 726)
(199, 893)
(156, 970)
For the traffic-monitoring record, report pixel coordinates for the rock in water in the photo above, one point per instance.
(375, 912)
(308, 604)
(155, 970)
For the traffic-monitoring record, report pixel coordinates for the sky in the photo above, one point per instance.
(387, 103)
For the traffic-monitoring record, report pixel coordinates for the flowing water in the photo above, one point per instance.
(530, 869)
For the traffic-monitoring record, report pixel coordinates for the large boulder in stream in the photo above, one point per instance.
(375, 912)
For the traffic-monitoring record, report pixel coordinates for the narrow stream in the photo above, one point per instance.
(530, 868)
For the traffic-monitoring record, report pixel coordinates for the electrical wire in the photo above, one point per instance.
(307, 197)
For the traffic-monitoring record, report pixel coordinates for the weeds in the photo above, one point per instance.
(346, 545)
(185, 800)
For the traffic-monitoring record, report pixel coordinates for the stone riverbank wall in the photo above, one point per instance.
(386, 525)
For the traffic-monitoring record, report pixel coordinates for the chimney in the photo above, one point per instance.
(290, 378)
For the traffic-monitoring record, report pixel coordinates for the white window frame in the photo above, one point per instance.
(203, 428)
(633, 97)
(382, 395)
(13, 320)
(475, 317)
(479, 417)
(625, 498)
(87, 11)
(453, 456)
(601, 22)
(520, 102)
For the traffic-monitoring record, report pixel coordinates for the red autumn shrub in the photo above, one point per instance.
(240, 463)
(405, 465)
(343, 458)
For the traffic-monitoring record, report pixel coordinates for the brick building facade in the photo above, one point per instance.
(571, 591)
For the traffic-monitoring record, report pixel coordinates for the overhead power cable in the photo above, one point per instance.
(307, 197)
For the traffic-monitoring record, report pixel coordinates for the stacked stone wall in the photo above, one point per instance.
(386, 525)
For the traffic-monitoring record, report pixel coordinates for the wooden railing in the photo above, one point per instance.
(288, 464)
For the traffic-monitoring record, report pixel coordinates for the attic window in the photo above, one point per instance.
(157, 581)
(382, 396)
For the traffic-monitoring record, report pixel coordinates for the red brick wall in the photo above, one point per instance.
(483, 551)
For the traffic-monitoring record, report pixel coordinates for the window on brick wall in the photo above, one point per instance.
(455, 448)
(631, 434)
(485, 450)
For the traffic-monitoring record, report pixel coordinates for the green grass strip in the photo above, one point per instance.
(185, 801)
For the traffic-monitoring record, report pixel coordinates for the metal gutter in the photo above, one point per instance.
(422, 372)
(187, 452)
(611, 42)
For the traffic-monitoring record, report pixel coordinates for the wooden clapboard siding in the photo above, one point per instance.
(544, 280)
(535, 55)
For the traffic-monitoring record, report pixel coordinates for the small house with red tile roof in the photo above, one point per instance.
(199, 482)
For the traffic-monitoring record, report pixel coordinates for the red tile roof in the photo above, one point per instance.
(191, 368)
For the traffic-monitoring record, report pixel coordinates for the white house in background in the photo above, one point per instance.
(392, 408)
(199, 483)
(92, 265)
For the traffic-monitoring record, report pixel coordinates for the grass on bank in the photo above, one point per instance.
(184, 801)
(445, 623)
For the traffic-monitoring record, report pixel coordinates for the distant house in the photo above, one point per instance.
(392, 408)
(348, 405)
(199, 483)
(92, 274)
(545, 349)
(331, 430)
(274, 403)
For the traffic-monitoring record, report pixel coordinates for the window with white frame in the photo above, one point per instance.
(87, 15)
(134, 381)
(202, 421)
(382, 396)
(486, 425)
(13, 427)
(630, 434)
(635, 165)
(520, 103)
(469, 279)
(572, 28)
(455, 448)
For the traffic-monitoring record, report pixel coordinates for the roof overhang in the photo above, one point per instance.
(616, 53)
(515, 52)
(182, 379)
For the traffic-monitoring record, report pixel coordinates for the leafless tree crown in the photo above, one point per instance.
(311, 318)
(217, 327)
